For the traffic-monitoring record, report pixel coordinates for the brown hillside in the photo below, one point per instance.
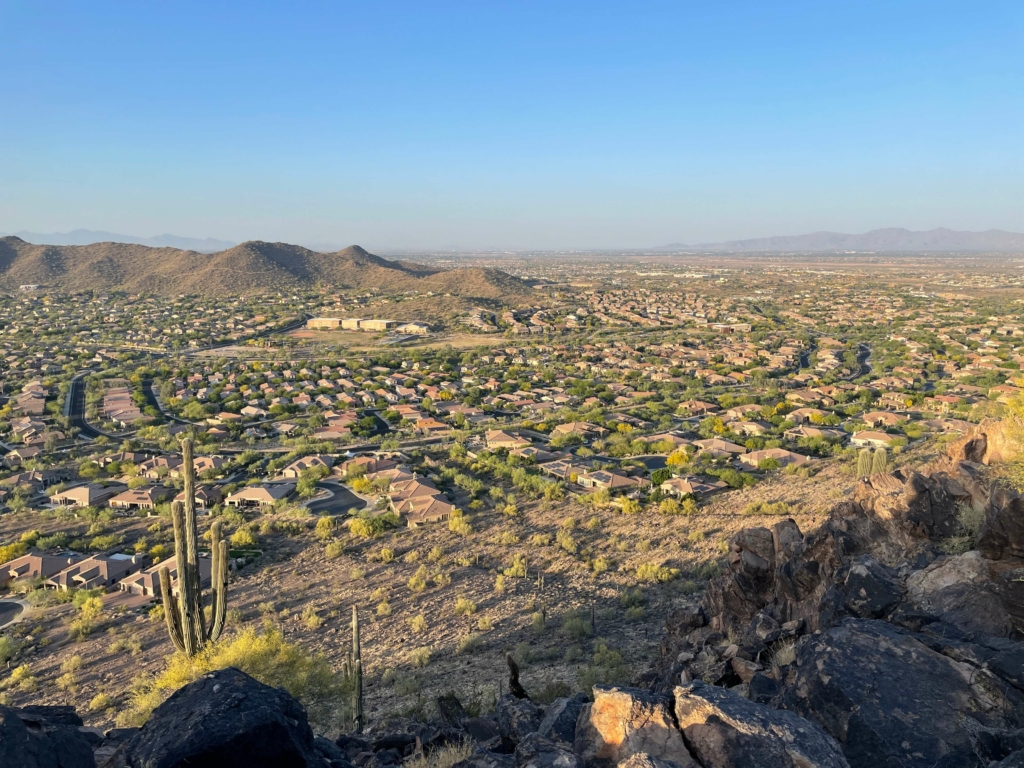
(251, 267)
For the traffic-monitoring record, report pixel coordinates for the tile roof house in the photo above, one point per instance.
(611, 480)
(140, 498)
(147, 581)
(34, 565)
(88, 495)
(97, 572)
(781, 455)
(260, 495)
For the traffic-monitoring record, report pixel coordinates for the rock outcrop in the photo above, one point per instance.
(904, 655)
(43, 737)
(724, 729)
(228, 718)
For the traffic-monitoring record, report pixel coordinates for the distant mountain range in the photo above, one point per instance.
(89, 236)
(251, 267)
(893, 239)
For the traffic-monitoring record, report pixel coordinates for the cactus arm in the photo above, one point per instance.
(219, 583)
(170, 610)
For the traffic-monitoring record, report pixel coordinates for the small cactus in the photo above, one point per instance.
(186, 623)
(864, 462)
(880, 463)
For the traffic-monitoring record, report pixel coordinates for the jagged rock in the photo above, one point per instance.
(872, 590)
(624, 721)
(32, 740)
(451, 710)
(724, 730)
(643, 760)
(1003, 532)
(748, 586)
(483, 730)
(352, 745)
(517, 717)
(559, 723)
(55, 714)
(762, 688)
(223, 717)
(1016, 760)
(960, 591)
(534, 751)
(744, 670)
(789, 541)
(331, 752)
(890, 700)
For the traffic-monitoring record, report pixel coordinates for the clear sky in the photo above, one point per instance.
(519, 124)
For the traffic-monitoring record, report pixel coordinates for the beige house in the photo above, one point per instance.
(89, 495)
(97, 572)
(264, 495)
(140, 498)
(781, 455)
(34, 565)
(147, 581)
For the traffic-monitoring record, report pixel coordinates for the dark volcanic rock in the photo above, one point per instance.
(890, 700)
(724, 730)
(872, 590)
(534, 751)
(224, 718)
(559, 723)
(33, 741)
(517, 717)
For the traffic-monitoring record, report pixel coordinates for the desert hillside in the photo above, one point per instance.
(251, 267)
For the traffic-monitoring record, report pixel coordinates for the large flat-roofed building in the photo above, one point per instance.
(351, 323)
(322, 323)
(377, 325)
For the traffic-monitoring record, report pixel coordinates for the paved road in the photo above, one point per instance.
(76, 409)
(9, 610)
(340, 503)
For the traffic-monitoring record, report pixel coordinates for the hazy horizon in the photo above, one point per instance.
(540, 126)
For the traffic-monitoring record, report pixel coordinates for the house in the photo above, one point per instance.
(206, 496)
(691, 486)
(140, 498)
(882, 419)
(147, 581)
(871, 439)
(297, 467)
(781, 455)
(415, 328)
(34, 565)
(803, 415)
(832, 435)
(264, 495)
(158, 467)
(612, 480)
(582, 428)
(370, 464)
(718, 447)
(88, 495)
(497, 439)
(420, 510)
(97, 572)
(563, 469)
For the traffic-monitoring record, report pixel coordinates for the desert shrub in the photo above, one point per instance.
(464, 606)
(9, 647)
(601, 564)
(484, 624)
(22, 679)
(707, 570)
(518, 568)
(383, 608)
(244, 538)
(499, 584)
(357, 574)
(418, 623)
(418, 581)
(539, 623)
(651, 572)
(100, 702)
(565, 540)
(386, 555)
(575, 626)
(630, 598)
(695, 536)
(268, 657)
(334, 550)
(778, 508)
(469, 643)
(606, 668)
(442, 579)
(442, 757)
(540, 540)
(636, 613)
(325, 528)
(420, 657)
(310, 618)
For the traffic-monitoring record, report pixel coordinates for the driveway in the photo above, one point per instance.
(341, 501)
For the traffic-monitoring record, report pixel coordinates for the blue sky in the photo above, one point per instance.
(516, 125)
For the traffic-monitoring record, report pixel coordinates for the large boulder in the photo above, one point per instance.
(748, 586)
(535, 751)
(517, 718)
(622, 722)
(32, 740)
(960, 591)
(871, 589)
(223, 718)
(1002, 536)
(724, 729)
(559, 723)
(890, 700)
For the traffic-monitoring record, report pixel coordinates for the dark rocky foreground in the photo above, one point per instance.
(859, 644)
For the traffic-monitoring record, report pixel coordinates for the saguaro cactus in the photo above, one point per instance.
(352, 671)
(186, 623)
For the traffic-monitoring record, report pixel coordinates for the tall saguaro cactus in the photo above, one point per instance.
(186, 623)
(352, 673)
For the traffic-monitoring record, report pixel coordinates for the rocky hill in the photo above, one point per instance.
(251, 267)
